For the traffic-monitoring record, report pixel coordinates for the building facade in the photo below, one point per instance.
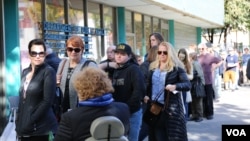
(101, 23)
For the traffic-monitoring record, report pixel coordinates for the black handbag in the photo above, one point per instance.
(154, 110)
(198, 89)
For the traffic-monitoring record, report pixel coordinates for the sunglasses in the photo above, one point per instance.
(34, 54)
(164, 52)
(76, 50)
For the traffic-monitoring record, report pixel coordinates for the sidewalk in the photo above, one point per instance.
(233, 108)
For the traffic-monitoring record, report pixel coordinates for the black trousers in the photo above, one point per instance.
(208, 105)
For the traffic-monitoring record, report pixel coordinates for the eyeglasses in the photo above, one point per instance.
(34, 54)
(164, 52)
(70, 49)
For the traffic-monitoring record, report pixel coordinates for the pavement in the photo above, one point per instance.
(232, 108)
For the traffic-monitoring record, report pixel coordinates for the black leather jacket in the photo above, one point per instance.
(35, 115)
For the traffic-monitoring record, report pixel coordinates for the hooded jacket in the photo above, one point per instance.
(129, 85)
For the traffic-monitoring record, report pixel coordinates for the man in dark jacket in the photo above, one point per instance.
(52, 59)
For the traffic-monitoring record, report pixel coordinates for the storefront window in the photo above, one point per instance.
(147, 28)
(108, 26)
(129, 24)
(29, 26)
(55, 11)
(156, 25)
(93, 45)
(76, 12)
(164, 29)
(138, 33)
(55, 14)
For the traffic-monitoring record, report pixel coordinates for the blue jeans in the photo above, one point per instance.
(135, 124)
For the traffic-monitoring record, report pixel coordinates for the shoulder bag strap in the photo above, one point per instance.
(158, 94)
(61, 70)
(86, 63)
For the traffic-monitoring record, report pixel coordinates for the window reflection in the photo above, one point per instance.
(55, 12)
(147, 29)
(156, 25)
(109, 28)
(94, 22)
(29, 26)
(76, 12)
(128, 17)
(138, 33)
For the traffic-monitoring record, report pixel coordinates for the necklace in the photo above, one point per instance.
(70, 72)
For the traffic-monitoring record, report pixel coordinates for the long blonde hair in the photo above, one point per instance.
(172, 59)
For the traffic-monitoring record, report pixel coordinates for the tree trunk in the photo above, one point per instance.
(226, 31)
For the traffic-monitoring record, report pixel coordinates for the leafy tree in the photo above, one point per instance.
(237, 15)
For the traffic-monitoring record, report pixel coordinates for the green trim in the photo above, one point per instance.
(12, 50)
(171, 32)
(121, 25)
(198, 35)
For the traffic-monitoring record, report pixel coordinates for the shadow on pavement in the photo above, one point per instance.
(233, 108)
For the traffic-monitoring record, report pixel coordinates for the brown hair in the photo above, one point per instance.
(152, 53)
(92, 82)
(76, 41)
(186, 62)
(157, 36)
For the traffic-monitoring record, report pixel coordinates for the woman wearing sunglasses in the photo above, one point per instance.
(167, 79)
(35, 118)
(67, 70)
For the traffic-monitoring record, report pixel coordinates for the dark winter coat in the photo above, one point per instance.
(52, 60)
(35, 116)
(75, 124)
(174, 119)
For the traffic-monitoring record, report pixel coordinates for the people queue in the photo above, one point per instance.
(121, 86)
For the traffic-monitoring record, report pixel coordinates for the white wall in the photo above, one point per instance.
(210, 10)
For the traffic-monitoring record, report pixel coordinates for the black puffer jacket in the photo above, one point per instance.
(35, 115)
(173, 119)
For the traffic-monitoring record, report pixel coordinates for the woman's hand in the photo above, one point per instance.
(58, 79)
(170, 87)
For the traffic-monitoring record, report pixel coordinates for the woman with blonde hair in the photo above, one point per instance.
(94, 90)
(167, 79)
